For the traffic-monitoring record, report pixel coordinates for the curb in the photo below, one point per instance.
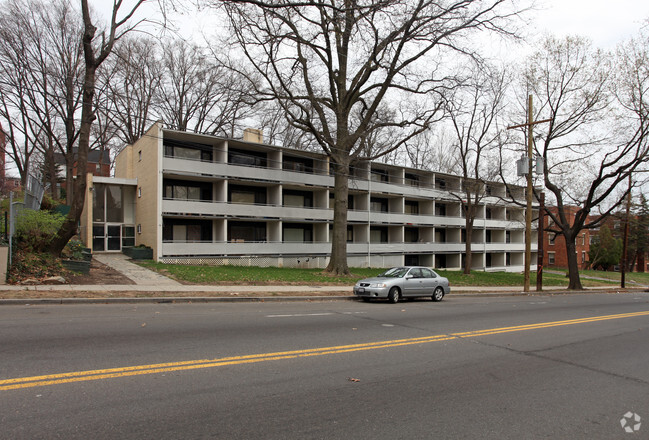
(261, 299)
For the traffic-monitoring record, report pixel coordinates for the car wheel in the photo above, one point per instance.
(394, 295)
(438, 294)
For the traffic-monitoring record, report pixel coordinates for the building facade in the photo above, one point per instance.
(554, 248)
(210, 200)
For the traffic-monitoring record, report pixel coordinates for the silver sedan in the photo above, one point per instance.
(403, 282)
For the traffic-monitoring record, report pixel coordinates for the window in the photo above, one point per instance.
(184, 190)
(98, 203)
(508, 237)
(188, 150)
(298, 198)
(248, 158)
(551, 237)
(411, 260)
(378, 205)
(186, 231)
(411, 207)
(379, 176)
(301, 164)
(246, 231)
(139, 156)
(583, 257)
(412, 179)
(410, 235)
(427, 273)
(128, 236)
(297, 232)
(440, 183)
(247, 194)
(107, 203)
(488, 214)
(488, 236)
(378, 234)
(551, 258)
(440, 209)
(508, 259)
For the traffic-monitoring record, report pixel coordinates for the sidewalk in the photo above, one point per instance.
(151, 286)
(138, 274)
(139, 293)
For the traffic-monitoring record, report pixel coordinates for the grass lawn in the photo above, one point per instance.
(274, 275)
(637, 277)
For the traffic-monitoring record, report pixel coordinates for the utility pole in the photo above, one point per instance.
(528, 192)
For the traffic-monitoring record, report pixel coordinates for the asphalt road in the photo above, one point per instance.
(558, 367)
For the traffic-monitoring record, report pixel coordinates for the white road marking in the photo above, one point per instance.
(313, 314)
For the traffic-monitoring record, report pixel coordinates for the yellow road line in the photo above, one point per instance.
(79, 376)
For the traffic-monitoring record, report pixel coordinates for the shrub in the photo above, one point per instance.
(74, 250)
(36, 229)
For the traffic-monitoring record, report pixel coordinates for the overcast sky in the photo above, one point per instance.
(605, 22)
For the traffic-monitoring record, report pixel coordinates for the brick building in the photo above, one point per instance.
(554, 247)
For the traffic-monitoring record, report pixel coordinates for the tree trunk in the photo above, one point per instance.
(338, 259)
(573, 265)
(467, 246)
(69, 227)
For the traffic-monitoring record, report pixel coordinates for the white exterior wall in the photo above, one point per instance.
(272, 251)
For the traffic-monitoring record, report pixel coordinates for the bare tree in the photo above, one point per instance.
(96, 48)
(133, 80)
(348, 72)
(278, 130)
(430, 150)
(41, 59)
(200, 92)
(475, 110)
(586, 159)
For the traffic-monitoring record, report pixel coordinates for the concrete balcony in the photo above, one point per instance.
(243, 248)
(261, 212)
(185, 167)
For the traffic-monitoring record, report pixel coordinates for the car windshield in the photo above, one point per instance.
(395, 272)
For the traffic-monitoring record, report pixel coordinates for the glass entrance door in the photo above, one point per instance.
(113, 237)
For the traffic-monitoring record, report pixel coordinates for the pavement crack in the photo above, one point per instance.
(538, 355)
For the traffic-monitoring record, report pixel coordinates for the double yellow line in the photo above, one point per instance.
(79, 376)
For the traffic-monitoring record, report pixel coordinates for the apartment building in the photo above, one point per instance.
(210, 200)
(555, 254)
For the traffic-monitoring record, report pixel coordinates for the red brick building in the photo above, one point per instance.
(98, 164)
(554, 246)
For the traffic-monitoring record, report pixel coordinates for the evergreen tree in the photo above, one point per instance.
(606, 250)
